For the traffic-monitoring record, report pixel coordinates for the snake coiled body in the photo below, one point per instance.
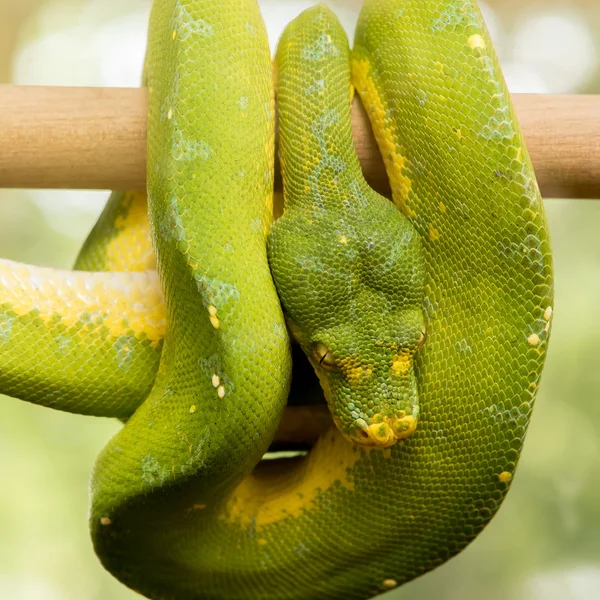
(426, 319)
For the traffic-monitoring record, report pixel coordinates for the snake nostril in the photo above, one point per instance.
(363, 434)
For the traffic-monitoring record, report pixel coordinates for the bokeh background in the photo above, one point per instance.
(545, 542)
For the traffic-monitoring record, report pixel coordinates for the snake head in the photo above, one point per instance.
(369, 380)
(352, 290)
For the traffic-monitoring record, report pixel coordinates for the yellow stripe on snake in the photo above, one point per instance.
(426, 319)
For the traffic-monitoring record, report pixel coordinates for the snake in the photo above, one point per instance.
(426, 318)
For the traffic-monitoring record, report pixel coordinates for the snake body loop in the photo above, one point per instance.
(427, 322)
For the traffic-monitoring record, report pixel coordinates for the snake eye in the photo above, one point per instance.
(422, 338)
(324, 357)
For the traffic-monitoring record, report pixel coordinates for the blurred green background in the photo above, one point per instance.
(545, 542)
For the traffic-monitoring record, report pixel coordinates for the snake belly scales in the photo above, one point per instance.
(426, 319)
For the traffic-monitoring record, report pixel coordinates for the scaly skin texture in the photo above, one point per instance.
(98, 336)
(347, 264)
(175, 513)
(120, 239)
(87, 343)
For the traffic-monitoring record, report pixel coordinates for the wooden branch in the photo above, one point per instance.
(95, 138)
(303, 424)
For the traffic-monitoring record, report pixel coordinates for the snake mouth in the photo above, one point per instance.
(384, 432)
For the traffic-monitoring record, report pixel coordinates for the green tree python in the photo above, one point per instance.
(426, 320)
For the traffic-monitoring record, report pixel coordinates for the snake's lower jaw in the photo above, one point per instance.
(382, 434)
